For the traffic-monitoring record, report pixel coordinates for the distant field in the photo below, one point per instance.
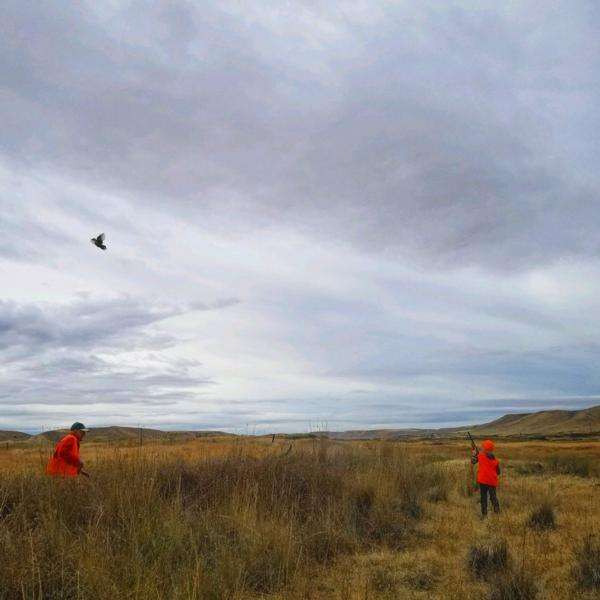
(224, 517)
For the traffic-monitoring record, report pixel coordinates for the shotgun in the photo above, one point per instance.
(473, 444)
(472, 466)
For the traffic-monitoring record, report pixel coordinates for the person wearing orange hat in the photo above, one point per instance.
(488, 470)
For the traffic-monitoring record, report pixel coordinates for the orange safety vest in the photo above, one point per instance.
(65, 460)
(487, 471)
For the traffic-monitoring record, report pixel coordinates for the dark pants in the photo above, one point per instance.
(491, 490)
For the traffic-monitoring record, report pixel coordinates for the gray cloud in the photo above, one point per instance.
(403, 194)
(520, 405)
(89, 324)
(76, 354)
(32, 329)
(437, 133)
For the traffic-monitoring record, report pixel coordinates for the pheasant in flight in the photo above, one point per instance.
(99, 241)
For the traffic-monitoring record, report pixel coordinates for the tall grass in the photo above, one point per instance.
(223, 527)
(587, 563)
(581, 466)
(543, 516)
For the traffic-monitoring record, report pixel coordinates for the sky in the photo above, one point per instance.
(319, 215)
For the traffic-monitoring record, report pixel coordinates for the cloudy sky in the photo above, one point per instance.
(318, 214)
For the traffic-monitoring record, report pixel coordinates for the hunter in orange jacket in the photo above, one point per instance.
(65, 461)
(488, 470)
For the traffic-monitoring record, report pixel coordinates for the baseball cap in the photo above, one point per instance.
(77, 426)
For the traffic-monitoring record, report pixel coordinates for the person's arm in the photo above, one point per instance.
(498, 468)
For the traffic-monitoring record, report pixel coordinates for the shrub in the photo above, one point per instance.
(542, 517)
(513, 586)
(587, 563)
(580, 466)
(389, 527)
(362, 500)
(438, 493)
(488, 558)
(420, 578)
(383, 579)
(386, 578)
(467, 484)
(529, 468)
(438, 483)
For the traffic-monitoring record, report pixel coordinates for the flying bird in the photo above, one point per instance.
(99, 241)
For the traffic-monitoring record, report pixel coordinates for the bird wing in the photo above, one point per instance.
(101, 237)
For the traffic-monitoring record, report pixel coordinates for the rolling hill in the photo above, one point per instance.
(582, 422)
(132, 434)
(13, 436)
(544, 423)
(547, 422)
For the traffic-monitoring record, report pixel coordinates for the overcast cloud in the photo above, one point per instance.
(349, 214)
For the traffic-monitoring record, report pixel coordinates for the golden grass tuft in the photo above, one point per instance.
(514, 586)
(488, 557)
(542, 517)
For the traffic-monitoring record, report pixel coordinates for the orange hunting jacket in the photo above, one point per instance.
(65, 460)
(488, 469)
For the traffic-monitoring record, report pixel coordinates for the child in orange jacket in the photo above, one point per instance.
(487, 475)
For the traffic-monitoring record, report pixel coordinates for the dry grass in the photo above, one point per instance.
(244, 518)
(514, 586)
(489, 557)
(543, 516)
(587, 563)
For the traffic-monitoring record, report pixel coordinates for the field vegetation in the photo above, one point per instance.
(246, 517)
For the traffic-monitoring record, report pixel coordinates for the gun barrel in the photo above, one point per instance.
(473, 444)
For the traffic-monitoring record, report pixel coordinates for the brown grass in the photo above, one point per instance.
(243, 518)
(543, 516)
(587, 563)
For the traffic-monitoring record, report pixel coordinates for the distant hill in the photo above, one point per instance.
(13, 436)
(124, 434)
(379, 434)
(544, 423)
(582, 422)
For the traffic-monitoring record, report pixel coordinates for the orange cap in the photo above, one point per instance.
(488, 445)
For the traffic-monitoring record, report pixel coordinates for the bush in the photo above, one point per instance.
(513, 586)
(542, 517)
(420, 578)
(438, 483)
(383, 579)
(467, 485)
(587, 563)
(529, 468)
(580, 466)
(386, 579)
(488, 558)
(438, 493)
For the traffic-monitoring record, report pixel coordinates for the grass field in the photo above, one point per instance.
(246, 518)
